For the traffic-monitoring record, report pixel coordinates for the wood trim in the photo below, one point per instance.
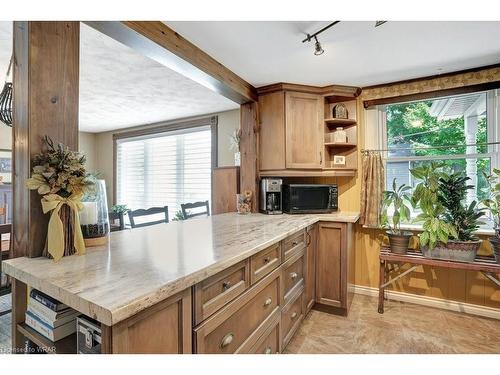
(444, 75)
(19, 306)
(159, 42)
(334, 90)
(46, 85)
(165, 127)
(432, 94)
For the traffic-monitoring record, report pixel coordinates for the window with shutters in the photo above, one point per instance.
(164, 169)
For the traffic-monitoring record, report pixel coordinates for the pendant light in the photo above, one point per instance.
(6, 99)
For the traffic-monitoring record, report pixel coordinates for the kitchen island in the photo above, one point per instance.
(167, 276)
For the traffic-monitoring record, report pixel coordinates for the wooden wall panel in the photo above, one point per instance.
(249, 152)
(225, 186)
(46, 82)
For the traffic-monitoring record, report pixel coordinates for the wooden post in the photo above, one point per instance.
(19, 302)
(381, 288)
(46, 83)
(249, 152)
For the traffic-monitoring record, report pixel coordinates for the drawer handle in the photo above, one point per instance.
(267, 259)
(268, 350)
(294, 315)
(226, 285)
(268, 301)
(295, 243)
(226, 340)
(293, 275)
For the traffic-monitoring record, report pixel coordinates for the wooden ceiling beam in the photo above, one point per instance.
(157, 41)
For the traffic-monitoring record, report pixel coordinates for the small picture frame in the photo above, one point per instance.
(6, 166)
(339, 160)
(339, 111)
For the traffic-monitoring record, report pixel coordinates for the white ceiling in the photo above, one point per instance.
(120, 88)
(356, 53)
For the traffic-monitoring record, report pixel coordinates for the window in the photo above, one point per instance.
(164, 169)
(438, 130)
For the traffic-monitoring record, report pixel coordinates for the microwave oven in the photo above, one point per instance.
(309, 198)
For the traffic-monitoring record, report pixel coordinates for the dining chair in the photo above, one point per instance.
(5, 286)
(113, 216)
(187, 207)
(148, 212)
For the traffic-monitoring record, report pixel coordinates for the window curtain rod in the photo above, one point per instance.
(430, 148)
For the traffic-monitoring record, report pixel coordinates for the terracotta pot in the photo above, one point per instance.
(495, 244)
(399, 242)
(460, 251)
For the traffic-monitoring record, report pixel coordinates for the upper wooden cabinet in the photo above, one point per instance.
(291, 131)
(296, 131)
(303, 131)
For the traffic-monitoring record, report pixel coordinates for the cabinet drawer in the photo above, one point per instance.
(291, 316)
(293, 275)
(269, 342)
(235, 328)
(212, 294)
(293, 244)
(265, 262)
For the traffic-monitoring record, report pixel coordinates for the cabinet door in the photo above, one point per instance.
(310, 279)
(303, 129)
(330, 264)
(272, 131)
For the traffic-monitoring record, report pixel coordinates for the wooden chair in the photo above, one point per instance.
(5, 286)
(190, 206)
(150, 211)
(113, 216)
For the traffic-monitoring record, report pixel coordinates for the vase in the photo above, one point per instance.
(67, 218)
(459, 251)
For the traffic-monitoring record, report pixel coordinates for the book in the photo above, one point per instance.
(48, 314)
(53, 334)
(52, 318)
(48, 301)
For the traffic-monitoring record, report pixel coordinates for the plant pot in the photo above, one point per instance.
(399, 242)
(459, 251)
(495, 244)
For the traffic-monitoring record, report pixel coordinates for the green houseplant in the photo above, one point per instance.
(399, 200)
(492, 204)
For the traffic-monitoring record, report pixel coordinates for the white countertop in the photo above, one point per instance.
(143, 266)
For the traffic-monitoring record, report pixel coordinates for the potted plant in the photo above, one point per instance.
(448, 223)
(492, 204)
(399, 200)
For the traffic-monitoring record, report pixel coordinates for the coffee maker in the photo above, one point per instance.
(270, 196)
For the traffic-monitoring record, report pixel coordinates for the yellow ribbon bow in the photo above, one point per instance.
(55, 234)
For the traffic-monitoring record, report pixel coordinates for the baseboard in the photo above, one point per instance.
(488, 312)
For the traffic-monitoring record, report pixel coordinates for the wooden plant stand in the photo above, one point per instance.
(486, 265)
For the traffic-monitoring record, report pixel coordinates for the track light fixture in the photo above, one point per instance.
(317, 47)
(379, 23)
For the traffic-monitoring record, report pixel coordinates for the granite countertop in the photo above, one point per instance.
(143, 266)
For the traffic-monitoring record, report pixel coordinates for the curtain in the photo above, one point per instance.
(372, 187)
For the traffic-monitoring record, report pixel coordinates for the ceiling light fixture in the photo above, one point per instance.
(379, 23)
(317, 45)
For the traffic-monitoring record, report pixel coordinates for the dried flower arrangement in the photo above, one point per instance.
(244, 202)
(60, 177)
(234, 140)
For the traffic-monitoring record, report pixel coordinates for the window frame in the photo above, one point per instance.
(164, 128)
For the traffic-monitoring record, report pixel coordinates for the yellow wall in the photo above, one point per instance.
(463, 286)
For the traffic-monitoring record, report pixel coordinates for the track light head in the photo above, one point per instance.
(317, 47)
(379, 23)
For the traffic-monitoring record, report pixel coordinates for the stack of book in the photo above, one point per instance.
(49, 317)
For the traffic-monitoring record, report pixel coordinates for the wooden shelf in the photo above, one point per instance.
(327, 172)
(340, 121)
(66, 345)
(340, 145)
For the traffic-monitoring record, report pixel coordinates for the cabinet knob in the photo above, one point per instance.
(293, 275)
(267, 259)
(226, 285)
(226, 340)
(268, 350)
(294, 315)
(295, 243)
(268, 301)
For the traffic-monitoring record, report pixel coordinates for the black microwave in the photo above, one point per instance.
(305, 199)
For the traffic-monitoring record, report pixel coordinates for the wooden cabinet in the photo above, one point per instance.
(225, 186)
(293, 245)
(291, 317)
(264, 262)
(164, 328)
(293, 276)
(310, 267)
(334, 267)
(291, 131)
(303, 131)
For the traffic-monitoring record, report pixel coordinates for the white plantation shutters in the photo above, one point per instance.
(164, 169)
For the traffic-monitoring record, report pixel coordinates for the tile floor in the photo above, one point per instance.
(403, 328)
